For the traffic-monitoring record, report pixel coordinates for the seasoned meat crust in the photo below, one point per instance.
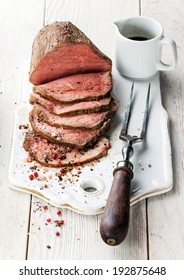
(42, 151)
(60, 49)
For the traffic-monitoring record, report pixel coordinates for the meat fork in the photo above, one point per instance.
(115, 219)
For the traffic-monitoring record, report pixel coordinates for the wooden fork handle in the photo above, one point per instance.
(115, 219)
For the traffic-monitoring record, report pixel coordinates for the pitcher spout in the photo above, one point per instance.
(116, 24)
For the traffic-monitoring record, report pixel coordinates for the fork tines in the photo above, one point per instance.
(128, 114)
(145, 118)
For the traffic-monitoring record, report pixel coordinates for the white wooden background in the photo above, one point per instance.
(156, 224)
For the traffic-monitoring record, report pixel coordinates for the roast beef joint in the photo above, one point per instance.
(72, 100)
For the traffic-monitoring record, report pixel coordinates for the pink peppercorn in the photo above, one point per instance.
(31, 177)
(54, 156)
(35, 174)
(63, 156)
(58, 212)
(62, 170)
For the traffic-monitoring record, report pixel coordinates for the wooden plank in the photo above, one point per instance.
(18, 22)
(166, 212)
(80, 238)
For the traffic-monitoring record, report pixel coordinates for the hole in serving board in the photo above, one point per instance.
(92, 186)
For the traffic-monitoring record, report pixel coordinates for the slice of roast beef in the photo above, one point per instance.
(60, 49)
(58, 108)
(55, 155)
(73, 138)
(81, 121)
(75, 88)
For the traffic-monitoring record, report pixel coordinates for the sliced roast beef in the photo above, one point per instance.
(55, 155)
(82, 121)
(60, 49)
(81, 87)
(72, 98)
(71, 109)
(70, 137)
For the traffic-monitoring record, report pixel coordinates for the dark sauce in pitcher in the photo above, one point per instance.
(138, 38)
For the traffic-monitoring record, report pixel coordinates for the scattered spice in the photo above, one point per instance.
(59, 212)
(57, 233)
(48, 247)
(54, 156)
(46, 159)
(63, 156)
(29, 159)
(45, 207)
(36, 174)
(42, 178)
(62, 170)
(60, 178)
(34, 167)
(49, 220)
(59, 223)
(31, 177)
(23, 126)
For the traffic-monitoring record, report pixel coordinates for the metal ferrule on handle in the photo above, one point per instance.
(126, 165)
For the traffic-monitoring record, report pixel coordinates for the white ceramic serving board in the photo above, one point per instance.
(152, 159)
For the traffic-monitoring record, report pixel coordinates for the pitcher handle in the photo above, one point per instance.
(170, 42)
